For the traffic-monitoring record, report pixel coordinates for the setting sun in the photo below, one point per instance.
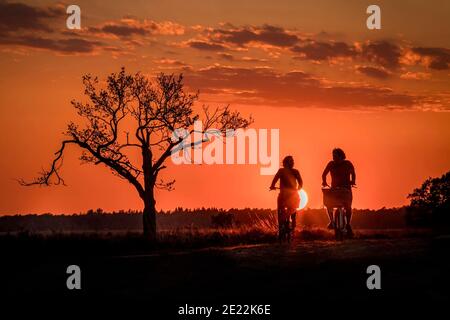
(303, 199)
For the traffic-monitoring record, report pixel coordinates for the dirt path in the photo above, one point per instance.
(414, 268)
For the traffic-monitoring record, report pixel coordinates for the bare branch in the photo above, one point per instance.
(152, 110)
(45, 175)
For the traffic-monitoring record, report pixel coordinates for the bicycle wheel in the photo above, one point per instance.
(283, 225)
(339, 224)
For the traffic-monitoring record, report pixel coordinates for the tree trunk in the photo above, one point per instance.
(149, 214)
(149, 219)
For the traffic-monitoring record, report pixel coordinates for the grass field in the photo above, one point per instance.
(228, 266)
(242, 263)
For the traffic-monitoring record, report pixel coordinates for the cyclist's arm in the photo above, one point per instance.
(299, 179)
(275, 180)
(325, 173)
(352, 174)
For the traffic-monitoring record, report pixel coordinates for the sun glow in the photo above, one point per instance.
(303, 199)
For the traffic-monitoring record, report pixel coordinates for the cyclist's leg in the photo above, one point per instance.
(330, 214)
(348, 214)
(280, 216)
(294, 220)
(348, 218)
(280, 223)
(288, 228)
(348, 210)
(331, 217)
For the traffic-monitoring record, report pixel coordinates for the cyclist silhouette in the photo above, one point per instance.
(288, 199)
(342, 176)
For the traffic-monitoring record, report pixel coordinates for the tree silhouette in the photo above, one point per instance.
(430, 204)
(155, 108)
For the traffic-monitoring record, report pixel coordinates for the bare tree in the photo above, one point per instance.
(155, 109)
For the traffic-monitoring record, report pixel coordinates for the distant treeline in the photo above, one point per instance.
(98, 220)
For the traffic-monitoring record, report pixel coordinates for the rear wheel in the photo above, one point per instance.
(339, 224)
(283, 225)
(338, 235)
(286, 224)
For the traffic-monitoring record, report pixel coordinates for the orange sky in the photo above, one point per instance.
(311, 69)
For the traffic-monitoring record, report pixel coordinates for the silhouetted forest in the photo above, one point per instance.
(98, 220)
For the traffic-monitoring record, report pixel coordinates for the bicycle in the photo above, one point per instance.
(339, 199)
(286, 221)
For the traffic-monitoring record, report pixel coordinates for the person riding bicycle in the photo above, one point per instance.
(342, 176)
(290, 182)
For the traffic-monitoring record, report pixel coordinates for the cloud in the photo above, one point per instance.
(382, 53)
(121, 30)
(232, 58)
(295, 88)
(415, 75)
(207, 46)
(31, 26)
(386, 56)
(231, 36)
(251, 59)
(377, 73)
(19, 16)
(267, 34)
(64, 46)
(28, 26)
(129, 27)
(323, 50)
(226, 56)
(171, 62)
(434, 58)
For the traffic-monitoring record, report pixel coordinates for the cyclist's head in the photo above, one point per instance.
(338, 154)
(288, 162)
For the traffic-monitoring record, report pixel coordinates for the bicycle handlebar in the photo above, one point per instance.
(354, 186)
(278, 188)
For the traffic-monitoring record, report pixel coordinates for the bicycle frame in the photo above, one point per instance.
(286, 217)
(340, 222)
(338, 199)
